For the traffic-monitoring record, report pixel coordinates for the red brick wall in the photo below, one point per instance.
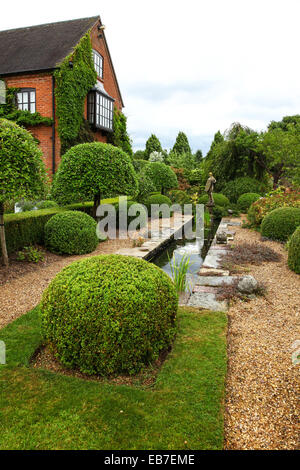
(42, 82)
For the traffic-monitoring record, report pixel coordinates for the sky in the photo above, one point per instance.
(194, 66)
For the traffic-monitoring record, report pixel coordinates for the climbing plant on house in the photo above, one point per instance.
(119, 137)
(75, 76)
(9, 111)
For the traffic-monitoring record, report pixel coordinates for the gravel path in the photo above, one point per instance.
(21, 294)
(263, 385)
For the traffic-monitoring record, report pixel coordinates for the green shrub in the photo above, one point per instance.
(280, 223)
(46, 204)
(245, 200)
(72, 233)
(146, 186)
(157, 199)
(179, 197)
(162, 176)
(139, 165)
(141, 212)
(235, 188)
(26, 228)
(219, 199)
(219, 212)
(259, 209)
(294, 252)
(30, 254)
(109, 314)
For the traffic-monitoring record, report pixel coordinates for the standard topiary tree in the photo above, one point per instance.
(294, 252)
(89, 170)
(109, 314)
(22, 170)
(71, 233)
(280, 223)
(162, 176)
(245, 200)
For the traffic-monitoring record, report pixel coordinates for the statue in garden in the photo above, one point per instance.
(209, 188)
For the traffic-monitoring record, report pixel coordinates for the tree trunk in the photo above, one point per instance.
(2, 236)
(97, 198)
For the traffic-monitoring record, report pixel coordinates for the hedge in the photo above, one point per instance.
(27, 228)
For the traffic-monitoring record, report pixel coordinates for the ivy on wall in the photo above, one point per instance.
(23, 118)
(75, 76)
(119, 137)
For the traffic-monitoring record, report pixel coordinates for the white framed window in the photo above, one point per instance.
(98, 63)
(26, 99)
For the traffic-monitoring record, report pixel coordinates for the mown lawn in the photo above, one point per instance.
(40, 409)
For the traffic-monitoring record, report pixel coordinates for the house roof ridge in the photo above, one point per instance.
(97, 17)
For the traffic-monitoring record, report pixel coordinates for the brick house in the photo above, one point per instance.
(28, 58)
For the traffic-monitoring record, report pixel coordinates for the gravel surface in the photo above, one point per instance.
(263, 385)
(23, 289)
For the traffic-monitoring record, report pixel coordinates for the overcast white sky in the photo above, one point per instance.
(195, 65)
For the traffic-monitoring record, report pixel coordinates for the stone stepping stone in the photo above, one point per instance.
(214, 281)
(208, 301)
(212, 260)
(212, 272)
(205, 289)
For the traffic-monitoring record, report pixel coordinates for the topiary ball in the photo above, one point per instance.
(245, 200)
(72, 233)
(154, 200)
(109, 314)
(294, 252)
(280, 223)
(219, 199)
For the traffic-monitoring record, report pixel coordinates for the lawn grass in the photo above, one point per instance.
(40, 409)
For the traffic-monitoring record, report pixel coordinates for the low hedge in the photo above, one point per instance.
(280, 223)
(219, 199)
(294, 252)
(27, 228)
(245, 200)
(71, 233)
(109, 314)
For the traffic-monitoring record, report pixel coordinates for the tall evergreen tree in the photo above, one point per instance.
(182, 144)
(199, 156)
(152, 145)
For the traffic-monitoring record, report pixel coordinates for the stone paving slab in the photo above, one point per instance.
(213, 272)
(208, 289)
(208, 301)
(214, 281)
